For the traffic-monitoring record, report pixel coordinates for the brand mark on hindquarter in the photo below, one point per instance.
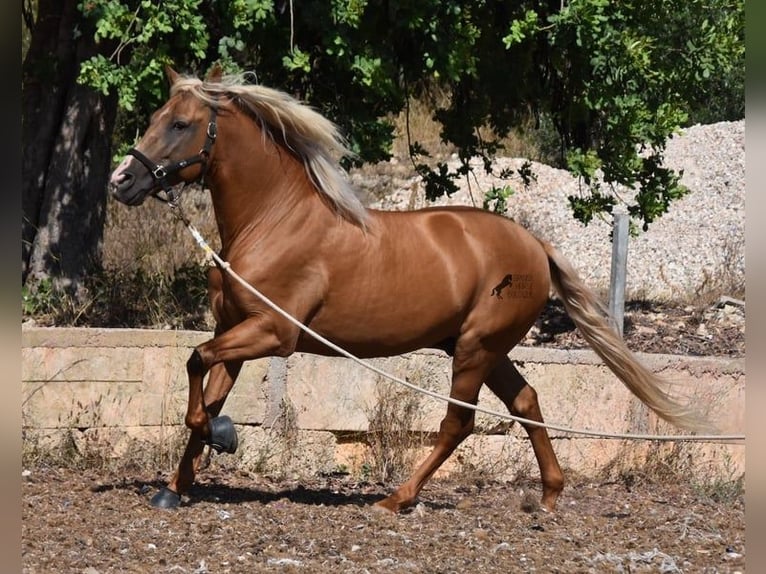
(517, 285)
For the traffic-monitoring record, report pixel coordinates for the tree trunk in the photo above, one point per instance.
(66, 143)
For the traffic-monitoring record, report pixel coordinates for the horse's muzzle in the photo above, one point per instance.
(126, 188)
(128, 194)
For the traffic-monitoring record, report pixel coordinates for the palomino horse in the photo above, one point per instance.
(376, 283)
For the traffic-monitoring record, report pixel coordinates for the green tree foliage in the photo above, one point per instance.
(632, 73)
(615, 79)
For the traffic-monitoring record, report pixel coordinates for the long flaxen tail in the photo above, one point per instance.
(589, 314)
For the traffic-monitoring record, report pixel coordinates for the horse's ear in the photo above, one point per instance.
(215, 74)
(172, 75)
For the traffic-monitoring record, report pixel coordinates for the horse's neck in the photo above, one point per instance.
(260, 189)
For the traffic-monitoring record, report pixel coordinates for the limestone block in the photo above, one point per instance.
(80, 404)
(338, 394)
(246, 404)
(332, 393)
(81, 364)
(584, 397)
(164, 389)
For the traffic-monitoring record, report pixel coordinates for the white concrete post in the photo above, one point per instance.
(619, 269)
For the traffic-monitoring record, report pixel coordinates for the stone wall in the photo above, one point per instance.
(121, 394)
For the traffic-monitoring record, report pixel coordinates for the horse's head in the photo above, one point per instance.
(175, 148)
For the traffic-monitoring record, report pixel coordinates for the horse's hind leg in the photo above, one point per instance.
(521, 399)
(454, 428)
(220, 382)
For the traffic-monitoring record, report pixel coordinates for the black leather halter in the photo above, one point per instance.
(161, 173)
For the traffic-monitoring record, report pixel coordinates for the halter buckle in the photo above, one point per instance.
(159, 172)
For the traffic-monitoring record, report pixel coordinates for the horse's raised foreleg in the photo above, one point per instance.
(253, 338)
(454, 428)
(521, 399)
(220, 383)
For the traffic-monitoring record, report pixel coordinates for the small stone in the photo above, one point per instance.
(732, 555)
(529, 503)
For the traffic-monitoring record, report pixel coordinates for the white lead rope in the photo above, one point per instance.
(227, 267)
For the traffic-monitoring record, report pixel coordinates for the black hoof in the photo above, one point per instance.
(166, 498)
(223, 437)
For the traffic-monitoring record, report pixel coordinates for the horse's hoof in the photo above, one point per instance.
(166, 498)
(390, 505)
(223, 437)
(382, 510)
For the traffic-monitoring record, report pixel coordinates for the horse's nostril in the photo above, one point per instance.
(124, 181)
(120, 184)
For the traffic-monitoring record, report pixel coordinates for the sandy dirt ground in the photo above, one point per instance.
(92, 522)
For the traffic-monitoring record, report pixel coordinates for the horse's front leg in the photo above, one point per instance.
(253, 338)
(220, 382)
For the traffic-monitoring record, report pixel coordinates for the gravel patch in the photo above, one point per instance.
(695, 248)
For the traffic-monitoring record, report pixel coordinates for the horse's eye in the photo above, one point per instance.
(180, 125)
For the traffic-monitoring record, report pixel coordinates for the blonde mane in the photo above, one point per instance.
(311, 136)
